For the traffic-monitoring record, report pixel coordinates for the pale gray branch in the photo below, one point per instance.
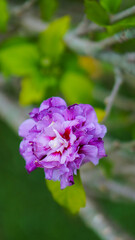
(92, 27)
(94, 180)
(109, 100)
(118, 38)
(96, 220)
(88, 48)
(124, 14)
(11, 112)
(121, 102)
(21, 9)
(32, 24)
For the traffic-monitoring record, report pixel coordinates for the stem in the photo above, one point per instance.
(20, 10)
(120, 102)
(126, 13)
(118, 38)
(111, 98)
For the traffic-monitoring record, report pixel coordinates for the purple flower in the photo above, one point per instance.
(60, 139)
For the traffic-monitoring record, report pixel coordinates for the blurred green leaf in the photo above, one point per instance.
(76, 88)
(122, 25)
(48, 8)
(91, 66)
(72, 198)
(111, 6)
(19, 59)
(107, 166)
(33, 89)
(96, 13)
(100, 114)
(51, 40)
(4, 15)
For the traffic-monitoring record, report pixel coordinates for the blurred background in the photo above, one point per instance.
(37, 61)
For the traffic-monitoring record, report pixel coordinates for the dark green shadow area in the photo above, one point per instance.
(122, 213)
(27, 210)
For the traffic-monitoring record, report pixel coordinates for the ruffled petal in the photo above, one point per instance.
(25, 127)
(91, 154)
(52, 102)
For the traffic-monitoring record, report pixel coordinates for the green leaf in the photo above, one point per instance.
(18, 58)
(72, 198)
(96, 13)
(76, 88)
(4, 15)
(51, 40)
(111, 6)
(48, 8)
(122, 25)
(107, 167)
(100, 114)
(34, 88)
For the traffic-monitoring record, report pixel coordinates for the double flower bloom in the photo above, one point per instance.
(61, 139)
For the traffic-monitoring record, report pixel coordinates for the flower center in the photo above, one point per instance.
(58, 143)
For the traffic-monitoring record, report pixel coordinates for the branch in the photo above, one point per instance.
(121, 102)
(32, 24)
(21, 9)
(86, 27)
(88, 48)
(117, 38)
(95, 180)
(117, 60)
(109, 100)
(92, 27)
(12, 113)
(82, 46)
(124, 14)
(82, 26)
(131, 57)
(96, 220)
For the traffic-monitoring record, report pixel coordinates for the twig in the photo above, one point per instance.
(120, 102)
(32, 24)
(20, 10)
(92, 27)
(117, 60)
(82, 26)
(118, 38)
(126, 13)
(109, 100)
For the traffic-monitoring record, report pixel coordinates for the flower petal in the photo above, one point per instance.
(25, 127)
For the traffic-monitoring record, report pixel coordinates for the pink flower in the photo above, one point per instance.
(60, 139)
